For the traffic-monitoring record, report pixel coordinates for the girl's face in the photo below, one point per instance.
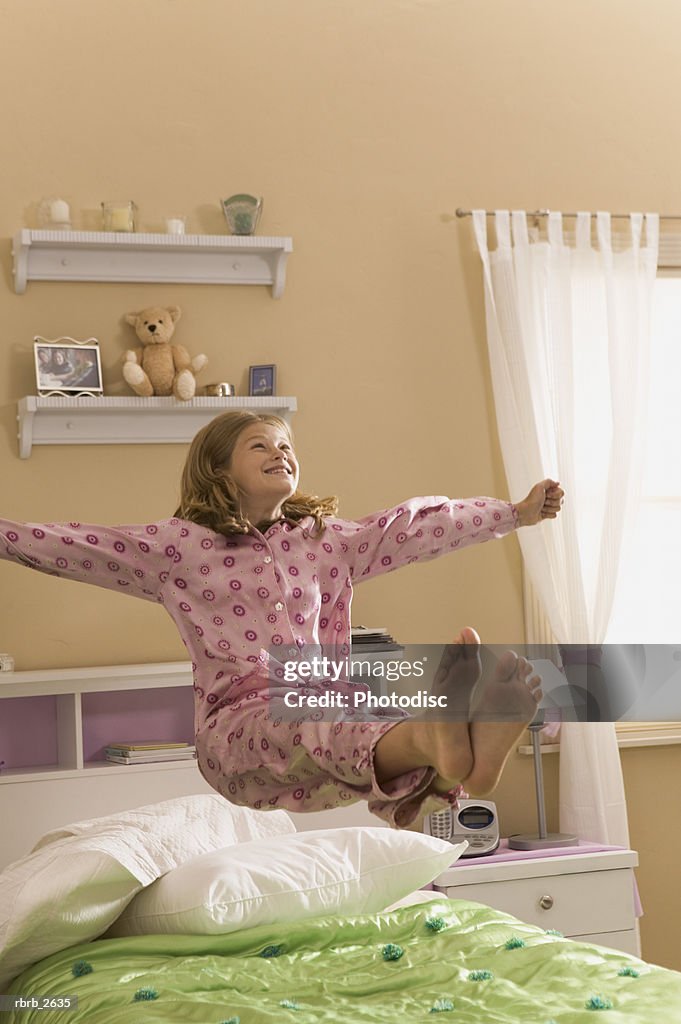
(264, 469)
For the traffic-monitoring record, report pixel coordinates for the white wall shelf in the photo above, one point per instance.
(178, 259)
(101, 420)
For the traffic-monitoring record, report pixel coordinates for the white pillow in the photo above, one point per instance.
(154, 839)
(58, 897)
(78, 879)
(287, 878)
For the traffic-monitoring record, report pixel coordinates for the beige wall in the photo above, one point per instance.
(364, 123)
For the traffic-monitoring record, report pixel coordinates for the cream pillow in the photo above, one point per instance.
(78, 879)
(287, 878)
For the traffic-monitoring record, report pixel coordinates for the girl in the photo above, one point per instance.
(249, 564)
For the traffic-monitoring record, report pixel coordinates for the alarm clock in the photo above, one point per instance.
(474, 820)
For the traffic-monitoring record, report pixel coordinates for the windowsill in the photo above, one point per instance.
(629, 734)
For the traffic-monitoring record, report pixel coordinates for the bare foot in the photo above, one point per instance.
(500, 712)
(436, 738)
(456, 677)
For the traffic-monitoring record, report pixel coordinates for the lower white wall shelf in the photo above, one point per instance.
(55, 420)
(119, 256)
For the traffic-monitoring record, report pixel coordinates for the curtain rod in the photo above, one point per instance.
(545, 213)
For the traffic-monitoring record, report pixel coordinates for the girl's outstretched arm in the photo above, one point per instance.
(424, 528)
(130, 559)
(421, 529)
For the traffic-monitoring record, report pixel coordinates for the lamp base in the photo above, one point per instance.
(526, 841)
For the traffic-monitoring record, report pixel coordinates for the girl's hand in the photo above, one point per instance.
(543, 502)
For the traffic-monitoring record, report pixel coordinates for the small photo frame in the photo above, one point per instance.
(64, 366)
(262, 380)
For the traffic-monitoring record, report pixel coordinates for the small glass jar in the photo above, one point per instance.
(119, 215)
(242, 213)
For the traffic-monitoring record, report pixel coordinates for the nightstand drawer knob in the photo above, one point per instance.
(546, 902)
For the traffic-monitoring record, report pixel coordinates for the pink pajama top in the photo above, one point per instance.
(234, 598)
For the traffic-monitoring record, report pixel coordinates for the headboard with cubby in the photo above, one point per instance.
(54, 726)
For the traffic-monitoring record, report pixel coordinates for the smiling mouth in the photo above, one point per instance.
(279, 470)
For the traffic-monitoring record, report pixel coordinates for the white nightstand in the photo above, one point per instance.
(587, 896)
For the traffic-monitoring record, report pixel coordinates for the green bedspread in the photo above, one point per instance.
(455, 959)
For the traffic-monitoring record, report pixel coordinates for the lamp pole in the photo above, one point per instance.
(543, 839)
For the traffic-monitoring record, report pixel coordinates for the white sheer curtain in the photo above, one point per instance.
(568, 330)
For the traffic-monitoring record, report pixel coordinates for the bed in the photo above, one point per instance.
(195, 911)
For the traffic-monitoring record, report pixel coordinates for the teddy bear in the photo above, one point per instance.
(159, 368)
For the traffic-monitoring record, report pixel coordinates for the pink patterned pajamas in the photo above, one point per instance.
(234, 598)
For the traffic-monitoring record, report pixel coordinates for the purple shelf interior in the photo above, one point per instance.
(28, 732)
(164, 713)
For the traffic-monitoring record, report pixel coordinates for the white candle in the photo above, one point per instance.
(175, 225)
(59, 211)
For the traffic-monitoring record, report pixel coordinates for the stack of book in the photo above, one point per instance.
(367, 640)
(372, 648)
(147, 753)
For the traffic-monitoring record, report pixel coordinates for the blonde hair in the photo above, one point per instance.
(209, 496)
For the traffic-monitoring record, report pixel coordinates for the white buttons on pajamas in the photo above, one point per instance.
(267, 559)
(279, 606)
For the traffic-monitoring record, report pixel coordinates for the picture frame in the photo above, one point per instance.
(66, 367)
(262, 380)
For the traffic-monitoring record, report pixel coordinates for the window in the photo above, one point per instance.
(647, 605)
